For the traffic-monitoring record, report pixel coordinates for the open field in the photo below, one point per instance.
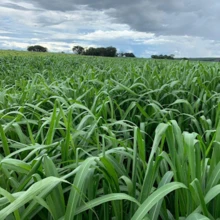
(108, 138)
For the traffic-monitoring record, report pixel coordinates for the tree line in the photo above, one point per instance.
(91, 51)
(100, 51)
(37, 48)
(168, 57)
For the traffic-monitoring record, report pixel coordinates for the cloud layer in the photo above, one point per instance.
(184, 27)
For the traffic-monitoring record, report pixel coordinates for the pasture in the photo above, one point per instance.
(108, 138)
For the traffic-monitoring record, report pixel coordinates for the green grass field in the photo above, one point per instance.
(108, 138)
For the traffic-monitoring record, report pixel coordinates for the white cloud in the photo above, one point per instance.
(26, 5)
(183, 46)
(4, 38)
(60, 31)
(109, 35)
(5, 32)
(14, 45)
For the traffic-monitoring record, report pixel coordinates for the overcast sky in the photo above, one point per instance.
(185, 28)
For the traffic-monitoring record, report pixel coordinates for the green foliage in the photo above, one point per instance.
(125, 55)
(167, 57)
(37, 48)
(102, 138)
(99, 51)
(78, 50)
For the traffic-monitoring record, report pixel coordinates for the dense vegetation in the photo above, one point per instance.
(167, 57)
(37, 48)
(100, 51)
(105, 138)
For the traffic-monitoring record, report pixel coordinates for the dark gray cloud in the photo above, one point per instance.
(14, 6)
(170, 17)
(18, 7)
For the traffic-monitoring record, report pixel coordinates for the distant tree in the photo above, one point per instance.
(129, 55)
(78, 50)
(37, 48)
(161, 56)
(91, 51)
(125, 55)
(119, 54)
(101, 51)
(169, 57)
(154, 56)
(111, 51)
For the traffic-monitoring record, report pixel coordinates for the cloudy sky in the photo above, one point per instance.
(185, 28)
